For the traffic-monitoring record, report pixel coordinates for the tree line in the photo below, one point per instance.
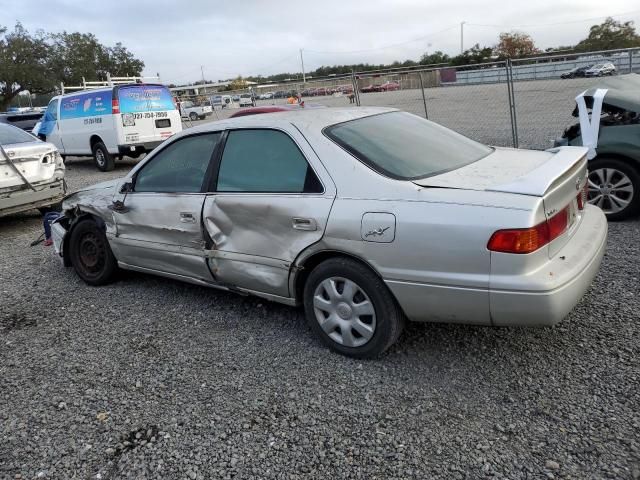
(608, 35)
(38, 62)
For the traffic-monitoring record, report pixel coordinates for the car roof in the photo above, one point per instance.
(315, 118)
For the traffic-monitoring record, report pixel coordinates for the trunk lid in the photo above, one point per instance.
(37, 162)
(557, 176)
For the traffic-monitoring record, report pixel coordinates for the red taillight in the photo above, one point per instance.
(527, 240)
(115, 106)
(582, 197)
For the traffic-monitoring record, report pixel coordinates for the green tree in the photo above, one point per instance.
(475, 54)
(608, 35)
(24, 64)
(435, 57)
(514, 45)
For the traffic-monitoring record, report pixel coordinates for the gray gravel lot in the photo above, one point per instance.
(481, 112)
(151, 378)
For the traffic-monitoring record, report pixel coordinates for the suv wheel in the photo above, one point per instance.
(351, 309)
(614, 186)
(102, 157)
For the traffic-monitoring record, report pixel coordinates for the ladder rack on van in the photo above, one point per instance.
(110, 82)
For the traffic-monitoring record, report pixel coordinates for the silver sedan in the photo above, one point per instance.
(365, 216)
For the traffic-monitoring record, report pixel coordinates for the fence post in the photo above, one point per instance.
(512, 103)
(424, 100)
(356, 93)
(630, 61)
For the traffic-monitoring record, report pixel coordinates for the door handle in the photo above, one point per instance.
(187, 217)
(308, 224)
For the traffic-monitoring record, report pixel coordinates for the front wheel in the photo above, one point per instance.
(193, 116)
(90, 254)
(351, 309)
(101, 156)
(614, 186)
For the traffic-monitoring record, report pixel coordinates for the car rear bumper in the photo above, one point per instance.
(27, 199)
(556, 288)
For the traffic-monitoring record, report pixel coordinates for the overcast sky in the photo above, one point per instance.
(230, 38)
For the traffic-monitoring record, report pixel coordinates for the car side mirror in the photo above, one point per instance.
(127, 187)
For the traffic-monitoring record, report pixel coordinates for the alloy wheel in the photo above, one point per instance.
(610, 189)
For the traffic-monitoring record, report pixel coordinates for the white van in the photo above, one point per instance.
(109, 123)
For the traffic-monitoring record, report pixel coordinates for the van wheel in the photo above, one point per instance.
(614, 186)
(102, 157)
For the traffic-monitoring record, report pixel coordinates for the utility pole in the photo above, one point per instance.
(462, 37)
(304, 77)
(202, 71)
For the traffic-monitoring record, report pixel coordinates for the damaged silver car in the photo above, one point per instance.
(365, 216)
(31, 172)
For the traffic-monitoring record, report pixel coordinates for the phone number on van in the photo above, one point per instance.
(137, 116)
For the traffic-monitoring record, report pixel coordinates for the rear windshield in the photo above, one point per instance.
(404, 146)
(145, 98)
(10, 134)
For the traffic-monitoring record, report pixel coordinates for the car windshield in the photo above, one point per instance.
(10, 134)
(597, 66)
(404, 146)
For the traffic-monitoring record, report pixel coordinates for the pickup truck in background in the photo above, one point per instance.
(194, 112)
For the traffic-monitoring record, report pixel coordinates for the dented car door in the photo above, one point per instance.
(158, 222)
(271, 200)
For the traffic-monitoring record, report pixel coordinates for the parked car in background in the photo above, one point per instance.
(31, 172)
(193, 112)
(221, 101)
(614, 166)
(110, 122)
(389, 86)
(247, 100)
(24, 120)
(266, 96)
(366, 216)
(275, 108)
(280, 94)
(576, 72)
(600, 70)
(370, 88)
(346, 89)
(235, 98)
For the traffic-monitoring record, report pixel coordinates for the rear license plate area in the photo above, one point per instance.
(163, 123)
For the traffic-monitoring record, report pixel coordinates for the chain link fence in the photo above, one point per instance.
(514, 103)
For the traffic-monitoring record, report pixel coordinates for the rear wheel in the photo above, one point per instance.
(102, 157)
(351, 309)
(614, 186)
(90, 254)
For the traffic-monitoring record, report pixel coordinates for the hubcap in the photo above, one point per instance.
(344, 311)
(610, 189)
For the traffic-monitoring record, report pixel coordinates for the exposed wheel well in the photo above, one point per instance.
(604, 156)
(77, 219)
(93, 140)
(316, 259)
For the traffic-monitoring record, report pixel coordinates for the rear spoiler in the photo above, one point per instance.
(540, 180)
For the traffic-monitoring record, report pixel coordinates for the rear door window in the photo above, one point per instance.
(144, 98)
(264, 161)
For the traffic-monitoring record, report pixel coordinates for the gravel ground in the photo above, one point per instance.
(151, 378)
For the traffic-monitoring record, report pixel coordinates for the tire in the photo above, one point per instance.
(193, 116)
(377, 330)
(91, 255)
(614, 186)
(101, 156)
